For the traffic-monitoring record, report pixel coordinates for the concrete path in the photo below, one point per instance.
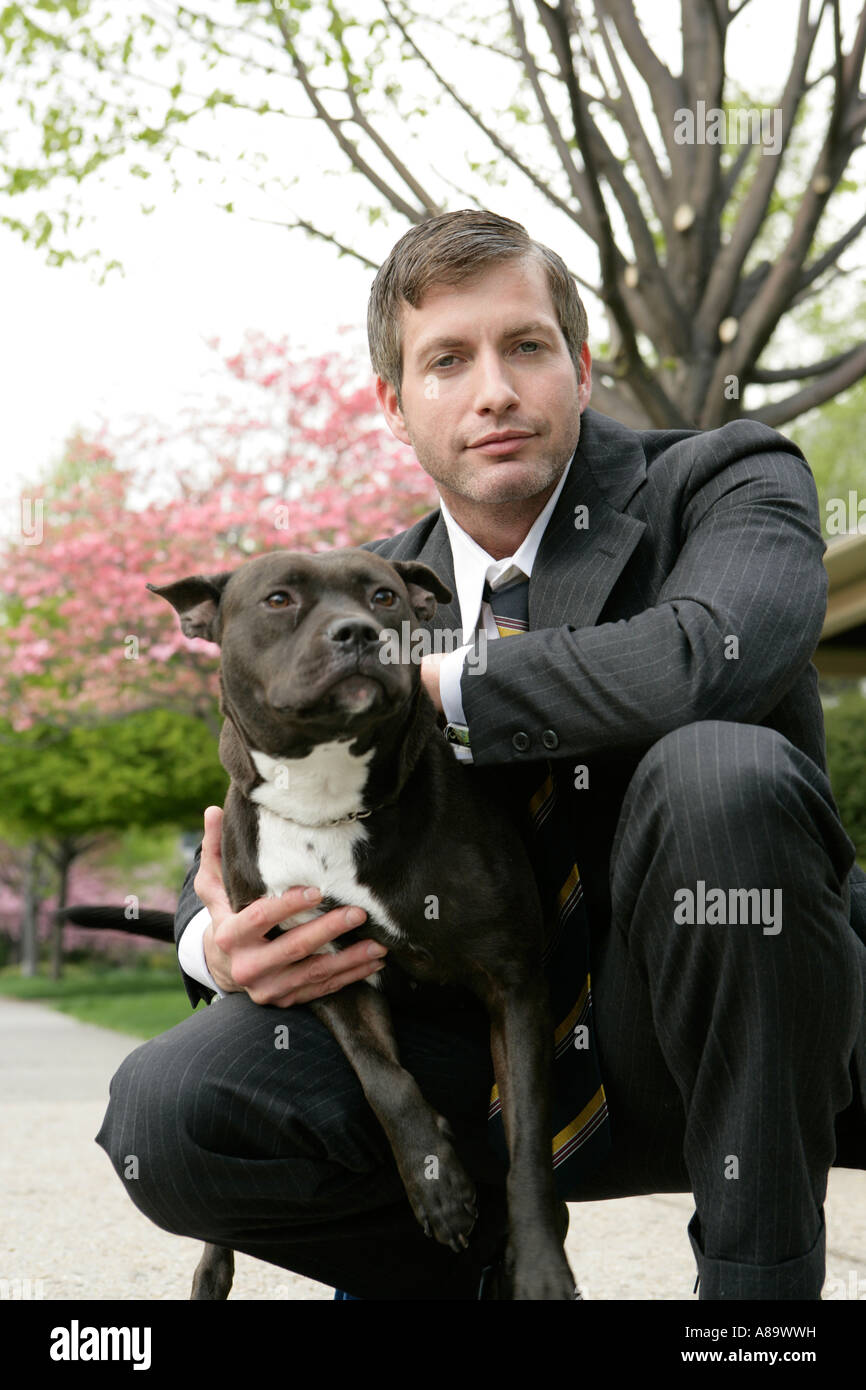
(53, 1094)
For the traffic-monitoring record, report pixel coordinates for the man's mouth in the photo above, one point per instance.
(496, 445)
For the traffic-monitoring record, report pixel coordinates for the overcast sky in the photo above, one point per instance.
(72, 351)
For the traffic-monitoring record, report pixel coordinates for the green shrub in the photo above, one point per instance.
(845, 724)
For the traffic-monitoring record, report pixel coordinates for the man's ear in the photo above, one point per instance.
(386, 395)
(584, 384)
(424, 586)
(197, 600)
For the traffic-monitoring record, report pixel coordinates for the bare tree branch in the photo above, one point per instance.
(412, 214)
(575, 214)
(831, 255)
(759, 321)
(731, 176)
(824, 389)
(665, 90)
(432, 208)
(837, 273)
(300, 224)
(638, 143)
(616, 402)
(703, 74)
(577, 180)
(721, 284)
(647, 390)
(766, 376)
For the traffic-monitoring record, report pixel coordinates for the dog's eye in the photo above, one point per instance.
(278, 599)
(389, 599)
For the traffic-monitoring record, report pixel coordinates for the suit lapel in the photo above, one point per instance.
(583, 552)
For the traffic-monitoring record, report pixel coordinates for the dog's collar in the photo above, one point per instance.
(342, 820)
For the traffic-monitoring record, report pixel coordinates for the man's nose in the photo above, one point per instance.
(494, 385)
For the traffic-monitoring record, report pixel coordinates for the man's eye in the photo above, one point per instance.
(278, 599)
(445, 361)
(389, 599)
(529, 343)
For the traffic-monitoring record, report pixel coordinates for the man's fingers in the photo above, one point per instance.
(249, 927)
(319, 988)
(303, 940)
(208, 882)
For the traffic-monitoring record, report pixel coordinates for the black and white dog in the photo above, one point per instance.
(340, 777)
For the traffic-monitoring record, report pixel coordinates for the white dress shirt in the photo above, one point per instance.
(472, 567)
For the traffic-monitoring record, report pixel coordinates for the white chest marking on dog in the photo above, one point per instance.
(327, 783)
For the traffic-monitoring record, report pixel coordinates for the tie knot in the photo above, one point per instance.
(510, 605)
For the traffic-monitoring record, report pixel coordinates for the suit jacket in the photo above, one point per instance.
(692, 588)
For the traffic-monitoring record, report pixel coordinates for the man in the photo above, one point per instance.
(676, 596)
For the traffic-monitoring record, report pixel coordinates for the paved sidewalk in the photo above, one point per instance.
(53, 1094)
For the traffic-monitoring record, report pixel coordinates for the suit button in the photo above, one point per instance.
(550, 739)
(520, 741)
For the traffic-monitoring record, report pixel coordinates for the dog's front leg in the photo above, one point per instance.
(214, 1273)
(441, 1193)
(520, 1041)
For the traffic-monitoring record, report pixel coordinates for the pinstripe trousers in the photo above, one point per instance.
(732, 1054)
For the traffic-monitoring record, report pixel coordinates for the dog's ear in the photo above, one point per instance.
(197, 601)
(424, 586)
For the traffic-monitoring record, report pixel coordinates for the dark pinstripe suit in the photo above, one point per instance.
(705, 760)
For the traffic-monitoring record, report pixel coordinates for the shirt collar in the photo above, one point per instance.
(472, 565)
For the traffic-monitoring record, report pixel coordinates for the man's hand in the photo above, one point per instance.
(283, 971)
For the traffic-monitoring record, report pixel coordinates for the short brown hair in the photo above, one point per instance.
(450, 250)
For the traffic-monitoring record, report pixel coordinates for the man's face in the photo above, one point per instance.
(488, 358)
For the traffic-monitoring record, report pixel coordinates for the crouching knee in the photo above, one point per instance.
(146, 1137)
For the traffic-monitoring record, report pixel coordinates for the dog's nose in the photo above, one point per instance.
(352, 632)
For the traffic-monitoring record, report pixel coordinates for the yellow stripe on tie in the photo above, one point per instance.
(583, 1119)
(539, 797)
(569, 886)
(568, 1023)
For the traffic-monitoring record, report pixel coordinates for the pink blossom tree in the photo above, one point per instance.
(303, 462)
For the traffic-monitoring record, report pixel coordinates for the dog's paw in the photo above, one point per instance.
(544, 1278)
(445, 1206)
(441, 1192)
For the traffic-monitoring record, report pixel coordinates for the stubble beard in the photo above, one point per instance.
(515, 481)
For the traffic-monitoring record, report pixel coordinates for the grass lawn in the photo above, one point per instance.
(140, 1002)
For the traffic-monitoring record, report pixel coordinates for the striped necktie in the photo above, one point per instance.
(581, 1128)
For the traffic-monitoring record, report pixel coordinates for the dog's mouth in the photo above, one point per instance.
(330, 689)
(356, 693)
(351, 688)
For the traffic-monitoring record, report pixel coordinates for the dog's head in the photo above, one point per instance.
(311, 643)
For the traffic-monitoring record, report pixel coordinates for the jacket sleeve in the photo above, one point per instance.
(189, 904)
(734, 616)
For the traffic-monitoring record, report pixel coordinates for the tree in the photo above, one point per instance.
(64, 793)
(681, 194)
(304, 463)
